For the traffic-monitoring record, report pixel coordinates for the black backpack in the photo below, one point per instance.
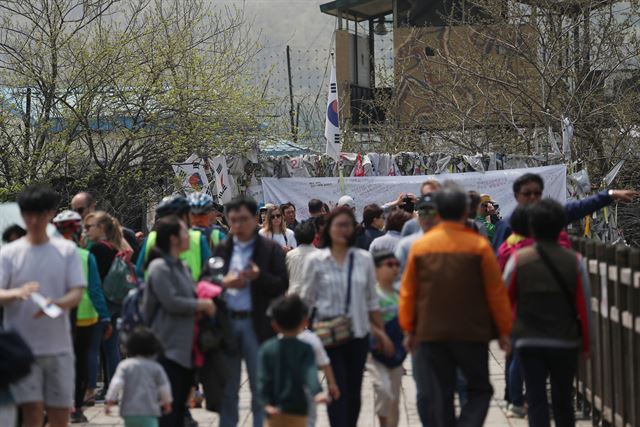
(16, 358)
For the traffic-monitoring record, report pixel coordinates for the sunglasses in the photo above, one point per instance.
(426, 212)
(80, 210)
(531, 193)
(276, 216)
(89, 226)
(392, 264)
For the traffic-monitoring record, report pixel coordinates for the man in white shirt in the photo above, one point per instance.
(52, 267)
(305, 233)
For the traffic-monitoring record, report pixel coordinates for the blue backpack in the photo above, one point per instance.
(132, 316)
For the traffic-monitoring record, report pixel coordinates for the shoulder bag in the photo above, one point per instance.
(338, 330)
(563, 285)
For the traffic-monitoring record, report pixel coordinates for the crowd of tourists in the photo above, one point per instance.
(163, 321)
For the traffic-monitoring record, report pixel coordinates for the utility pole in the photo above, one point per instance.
(292, 113)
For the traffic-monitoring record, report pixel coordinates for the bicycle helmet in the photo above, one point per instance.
(172, 205)
(67, 215)
(200, 203)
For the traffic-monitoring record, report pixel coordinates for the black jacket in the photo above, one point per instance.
(272, 282)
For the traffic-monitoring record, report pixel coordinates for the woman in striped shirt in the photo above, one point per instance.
(326, 280)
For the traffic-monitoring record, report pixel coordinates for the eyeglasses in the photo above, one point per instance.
(531, 193)
(392, 264)
(485, 204)
(276, 216)
(79, 210)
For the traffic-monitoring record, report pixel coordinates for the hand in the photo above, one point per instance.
(25, 291)
(320, 398)
(206, 306)
(505, 344)
(334, 391)
(252, 272)
(286, 249)
(385, 345)
(108, 331)
(399, 200)
(166, 408)
(233, 280)
(271, 410)
(107, 406)
(409, 343)
(624, 195)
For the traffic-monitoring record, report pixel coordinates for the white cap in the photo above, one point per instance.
(347, 201)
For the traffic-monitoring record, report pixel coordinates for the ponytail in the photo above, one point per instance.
(111, 226)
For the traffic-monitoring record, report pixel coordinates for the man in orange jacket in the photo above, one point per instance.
(452, 303)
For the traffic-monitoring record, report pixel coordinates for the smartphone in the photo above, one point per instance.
(408, 205)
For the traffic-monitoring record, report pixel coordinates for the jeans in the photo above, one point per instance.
(515, 382)
(348, 361)
(94, 355)
(248, 346)
(111, 352)
(560, 365)
(181, 380)
(420, 378)
(441, 360)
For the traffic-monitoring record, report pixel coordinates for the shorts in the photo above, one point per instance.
(285, 420)
(51, 381)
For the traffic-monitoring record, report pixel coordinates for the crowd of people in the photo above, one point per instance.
(165, 319)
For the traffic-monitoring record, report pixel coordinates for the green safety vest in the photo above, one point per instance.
(193, 256)
(86, 313)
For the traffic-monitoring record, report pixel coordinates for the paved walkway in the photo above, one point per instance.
(409, 417)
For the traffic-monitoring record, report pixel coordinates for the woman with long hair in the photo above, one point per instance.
(340, 282)
(105, 240)
(170, 306)
(275, 228)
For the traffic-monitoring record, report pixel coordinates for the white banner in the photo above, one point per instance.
(192, 175)
(224, 187)
(383, 189)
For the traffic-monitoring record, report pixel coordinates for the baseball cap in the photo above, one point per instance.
(347, 201)
(426, 202)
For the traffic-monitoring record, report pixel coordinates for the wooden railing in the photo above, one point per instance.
(608, 383)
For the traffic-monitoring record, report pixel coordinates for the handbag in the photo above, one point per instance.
(337, 330)
(563, 285)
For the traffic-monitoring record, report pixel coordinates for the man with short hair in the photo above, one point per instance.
(316, 207)
(413, 226)
(304, 233)
(451, 298)
(255, 274)
(528, 188)
(52, 267)
(289, 211)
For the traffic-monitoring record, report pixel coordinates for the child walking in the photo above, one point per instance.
(144, 384)
(387, 371)
(287, 372)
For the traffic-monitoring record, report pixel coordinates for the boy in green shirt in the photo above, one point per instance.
(287, 371)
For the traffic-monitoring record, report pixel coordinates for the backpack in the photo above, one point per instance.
(120, 279)
(131, 315)
(15, 358)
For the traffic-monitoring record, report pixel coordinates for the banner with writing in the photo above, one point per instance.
(382, 189)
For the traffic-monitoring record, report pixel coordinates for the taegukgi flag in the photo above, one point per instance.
(332, 124)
